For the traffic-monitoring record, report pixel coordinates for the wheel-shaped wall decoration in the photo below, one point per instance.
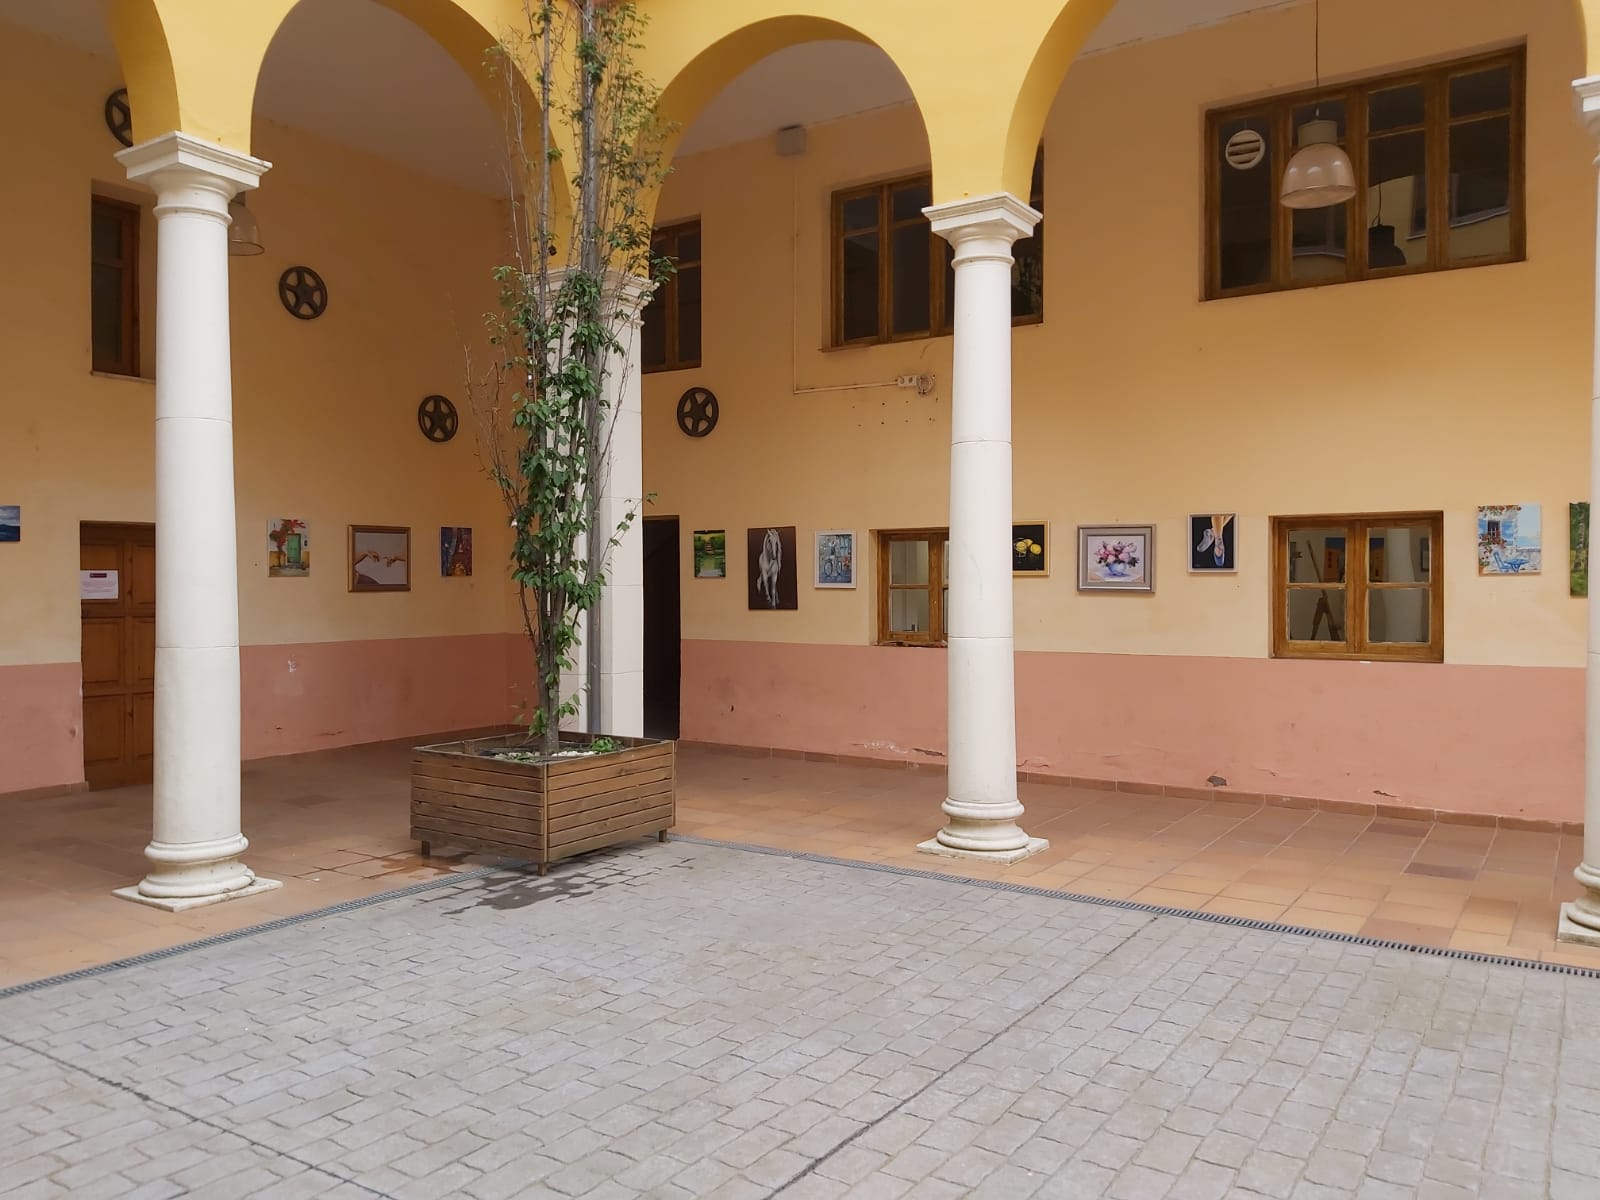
(303, 293)
(437, 419)
(119, 117)
(697, 412)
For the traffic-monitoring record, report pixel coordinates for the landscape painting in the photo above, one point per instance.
(10, 522)
(288, 548)
(710, 553)
(1578, 547)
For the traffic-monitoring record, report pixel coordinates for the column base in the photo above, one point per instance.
(1568, 930)
(184, 903)
(1004, 857)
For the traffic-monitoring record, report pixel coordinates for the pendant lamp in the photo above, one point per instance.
(244, 237)
(1319, 175)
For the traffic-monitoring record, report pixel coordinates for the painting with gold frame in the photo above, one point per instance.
(1030, 548)
(380, 558)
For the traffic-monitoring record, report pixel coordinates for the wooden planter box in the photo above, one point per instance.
(541, 812)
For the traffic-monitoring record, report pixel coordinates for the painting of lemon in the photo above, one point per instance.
(1029, 556)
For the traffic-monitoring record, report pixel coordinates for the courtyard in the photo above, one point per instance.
(695, 1020)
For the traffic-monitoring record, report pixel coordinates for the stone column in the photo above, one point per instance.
(621, 709)
(196, 843)
(1580, 919)
(981, 804)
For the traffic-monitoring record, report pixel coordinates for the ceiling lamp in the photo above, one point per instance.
(1319, 175)
(244, 237)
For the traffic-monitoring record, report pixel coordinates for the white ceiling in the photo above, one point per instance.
(355, 72)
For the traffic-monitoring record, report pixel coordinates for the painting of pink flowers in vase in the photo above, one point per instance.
(1116, 558)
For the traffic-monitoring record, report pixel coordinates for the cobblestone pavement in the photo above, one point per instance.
(694, 1021)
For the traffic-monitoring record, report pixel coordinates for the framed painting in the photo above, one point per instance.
(10, 522)
(380, 558)
(1030, 548)
(1578, 548)
(288, 548)
(710, 553)
(1212, 543)
(455, 551)
(836, 558)
(1510, 540)
(1116, 558)
(774, 573)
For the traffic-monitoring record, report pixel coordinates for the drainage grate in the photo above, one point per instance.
(1159, 910)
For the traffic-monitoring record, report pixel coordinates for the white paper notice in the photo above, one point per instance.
(98, 585)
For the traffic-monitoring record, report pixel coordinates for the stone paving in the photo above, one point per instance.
(697, 1021)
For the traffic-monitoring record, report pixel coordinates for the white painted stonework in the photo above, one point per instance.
(1580, 919)
(196, 843)
(981, 806)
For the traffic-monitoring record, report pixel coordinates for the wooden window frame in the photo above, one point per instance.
(1357, 586)
(127, 360)
(666, 293)
(940, 308)
(936, 539)
(1279, 113)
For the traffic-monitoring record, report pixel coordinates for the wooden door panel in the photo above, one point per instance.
(105, 720)
(102, 653)
(119, 638)
(141, 588)
(142, 654)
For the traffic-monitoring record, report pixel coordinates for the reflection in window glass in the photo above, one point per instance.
(908, 610)
(1398, 555)
(912, 279)
(1316, 555)
(908, 562)
(1480, 92)
(1398, 615)
(860, 286)
(1316, 614)
(1397, 178)
(1480, 188)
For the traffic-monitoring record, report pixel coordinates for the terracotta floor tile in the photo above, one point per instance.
(1266, 895)
(1314, 918)
(1253, 909)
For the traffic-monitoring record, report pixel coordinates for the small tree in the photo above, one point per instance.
(545, 428)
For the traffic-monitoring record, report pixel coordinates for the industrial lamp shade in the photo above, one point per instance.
(1319, 175)
(244, 237)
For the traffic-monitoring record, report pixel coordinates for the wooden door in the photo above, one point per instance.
(119, 653)
(663, 665)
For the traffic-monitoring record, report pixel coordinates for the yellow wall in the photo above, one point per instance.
(325, 425)
(1135, 401)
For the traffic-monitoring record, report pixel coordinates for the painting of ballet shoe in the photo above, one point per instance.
(1213, 543)
(380, 558)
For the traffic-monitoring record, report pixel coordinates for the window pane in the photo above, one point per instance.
(861, 213)
(106, 316)
(1036, 185)
(1244, 208)
(653, 337)
(1027, 275)
(105, 236)
(908, 201)
(1482, 91)
(1398, 615)
(1399, 555)
(908, 562)
(1395, 108)
(949, 252)
(1480, 188)
(861, 286)
(908, 610)
(912, 281)
(1316, 614)
(1319, 234)
(1397, 175)
(1316, 555)
(688, 246)
(689, 314)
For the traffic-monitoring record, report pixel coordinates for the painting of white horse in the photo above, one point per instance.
(774, 580)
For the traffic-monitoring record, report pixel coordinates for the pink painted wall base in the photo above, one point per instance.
(41, 726)
(1502, 741)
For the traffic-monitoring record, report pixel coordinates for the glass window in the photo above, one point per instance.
(1358, 587)
(114, 286)
(1437, 161)
(893, 277)
(670, 337)
(913, 586)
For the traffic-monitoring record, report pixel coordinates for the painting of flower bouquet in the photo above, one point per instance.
(1116, 558)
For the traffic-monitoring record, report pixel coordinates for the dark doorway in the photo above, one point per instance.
(662, 631)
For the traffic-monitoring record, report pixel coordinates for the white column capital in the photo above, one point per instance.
(624, 293)
(178, 160)
(997, 218)
(1588, 94)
